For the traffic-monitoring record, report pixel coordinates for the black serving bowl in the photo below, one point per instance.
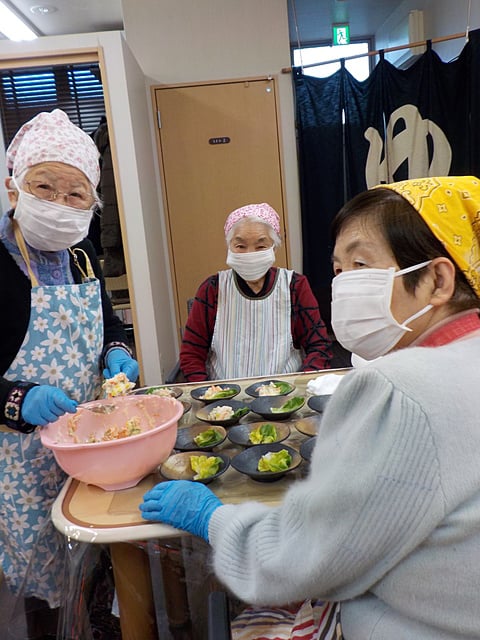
(237, 405)
(186, 405)
(263, 406)
(177, 466)
(241, 432)
(318, 403)
(186, 437)
(199, 392)
(306, 448)
(309, 425)
(247, 461)
(284, 388)
(159, 390)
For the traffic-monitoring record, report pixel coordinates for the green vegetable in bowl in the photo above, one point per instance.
(204, 466)
(283, 387)
(291, 405)
(216, 393)
(207, 438)
(274, 389)
(225, 393)
(240, 412)
(275, 461)
(160, 391)
(265, 434)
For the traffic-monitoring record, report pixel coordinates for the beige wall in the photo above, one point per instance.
(441, 18)
(181, 41)
(144, 229)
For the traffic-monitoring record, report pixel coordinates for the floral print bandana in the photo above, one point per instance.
(52, 137)
(263, 211)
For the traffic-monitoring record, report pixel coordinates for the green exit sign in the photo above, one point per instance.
(341, 34)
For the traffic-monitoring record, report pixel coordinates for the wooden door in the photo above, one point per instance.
(219, 150)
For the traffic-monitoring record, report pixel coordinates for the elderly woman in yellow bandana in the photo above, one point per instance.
(385, 529)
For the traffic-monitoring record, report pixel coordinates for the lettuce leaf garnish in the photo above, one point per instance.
(204, 466)
(265, 434)
(207, 437)
(291, 405)
(284, 387)
(240, 412)
(275, 461)
(224, 393)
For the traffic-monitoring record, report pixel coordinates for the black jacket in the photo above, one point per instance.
(15, 292)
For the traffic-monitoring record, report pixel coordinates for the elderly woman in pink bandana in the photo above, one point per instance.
(253, 319)
(58, 330)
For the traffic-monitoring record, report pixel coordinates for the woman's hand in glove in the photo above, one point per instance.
(182, 504)
(45, 404)
(119, 361)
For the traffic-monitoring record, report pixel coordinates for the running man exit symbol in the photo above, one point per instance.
(341, 34)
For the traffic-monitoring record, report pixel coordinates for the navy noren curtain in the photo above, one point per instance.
(398, 124)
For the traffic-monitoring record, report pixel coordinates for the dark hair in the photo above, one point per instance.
(407, 235)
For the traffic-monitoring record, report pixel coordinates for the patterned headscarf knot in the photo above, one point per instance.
(451, 208)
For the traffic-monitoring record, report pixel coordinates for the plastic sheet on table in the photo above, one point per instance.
(81, 608)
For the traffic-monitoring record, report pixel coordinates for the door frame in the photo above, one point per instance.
(157, 126)
(77, 56)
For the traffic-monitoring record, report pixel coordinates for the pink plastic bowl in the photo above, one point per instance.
(120, 463)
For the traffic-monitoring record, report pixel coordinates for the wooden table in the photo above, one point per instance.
(89, 514)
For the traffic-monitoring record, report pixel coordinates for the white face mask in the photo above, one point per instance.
(361, 317)
(50, 226)
(253, 265)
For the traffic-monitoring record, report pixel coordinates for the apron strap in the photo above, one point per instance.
(24, 252)
(90, 273)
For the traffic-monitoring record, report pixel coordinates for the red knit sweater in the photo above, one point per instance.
(308, 329)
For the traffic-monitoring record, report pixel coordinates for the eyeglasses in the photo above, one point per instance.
(78, 199)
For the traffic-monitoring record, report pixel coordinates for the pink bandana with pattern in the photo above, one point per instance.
(52, 137)
(263, 211)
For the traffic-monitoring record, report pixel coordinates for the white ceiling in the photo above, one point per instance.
(71, 16)
(314, 17)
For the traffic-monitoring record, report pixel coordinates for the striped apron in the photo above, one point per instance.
(312, 620)
(252, 336)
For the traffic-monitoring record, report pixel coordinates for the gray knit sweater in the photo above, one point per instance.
(388, 520)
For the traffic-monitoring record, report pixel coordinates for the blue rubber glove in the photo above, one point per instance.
(45, 404)
(183, 504)
(119, 361)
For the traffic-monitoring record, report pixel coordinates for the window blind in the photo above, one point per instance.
(74, 88)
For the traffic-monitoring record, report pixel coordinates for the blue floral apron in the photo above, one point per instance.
(62, 347)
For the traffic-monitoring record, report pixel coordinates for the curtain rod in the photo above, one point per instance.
(411, 45)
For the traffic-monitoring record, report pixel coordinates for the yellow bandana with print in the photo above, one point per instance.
(451, 208)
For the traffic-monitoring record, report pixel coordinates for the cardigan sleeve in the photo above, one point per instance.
(308, 329)
(197, 336)
(339, 531)
(15, 294)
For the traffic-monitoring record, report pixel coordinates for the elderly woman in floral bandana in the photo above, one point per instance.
(253, 319)
(58, 329)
